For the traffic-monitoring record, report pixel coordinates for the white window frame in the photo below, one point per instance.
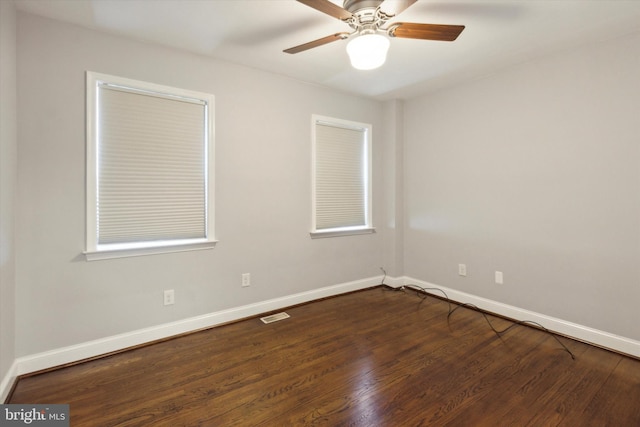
(366, 130)
(96, 251)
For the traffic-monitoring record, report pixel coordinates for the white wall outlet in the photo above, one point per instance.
(462, 269)
(499, 278)
(246, 280)
(169, 297)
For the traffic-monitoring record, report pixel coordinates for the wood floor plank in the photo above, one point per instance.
(575, 386)
(612, 404)
(370, 358)
(466, 399)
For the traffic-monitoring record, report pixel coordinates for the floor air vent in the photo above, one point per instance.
(274, 317)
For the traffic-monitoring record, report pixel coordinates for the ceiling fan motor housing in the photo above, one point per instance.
(355, 5)
(367, 17)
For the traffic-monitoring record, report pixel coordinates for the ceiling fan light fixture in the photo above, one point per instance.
(368, 51)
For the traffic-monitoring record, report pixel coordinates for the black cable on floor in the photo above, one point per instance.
(515, 323)
(422, 293)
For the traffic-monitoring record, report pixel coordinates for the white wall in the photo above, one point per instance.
(535, 172)
(8, 172)
(263, 130)
(392, 172)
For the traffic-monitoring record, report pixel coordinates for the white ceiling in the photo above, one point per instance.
(254, 33)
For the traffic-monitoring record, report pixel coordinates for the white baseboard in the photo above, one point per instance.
(563, 327)
(74, 353)
(394, 282)
(8, 380)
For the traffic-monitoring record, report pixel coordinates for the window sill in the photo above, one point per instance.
(341, 232)
(131, 252)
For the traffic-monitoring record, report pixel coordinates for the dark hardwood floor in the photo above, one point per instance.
(369, 358)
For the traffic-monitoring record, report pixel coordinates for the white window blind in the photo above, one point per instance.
(342, 175)
(151, 157)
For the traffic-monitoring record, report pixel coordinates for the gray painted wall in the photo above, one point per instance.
(8, 171)
(535, 172)
(263, 172)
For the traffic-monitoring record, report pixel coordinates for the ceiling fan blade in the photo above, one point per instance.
(408, 30)
(331, 9)
(395, 7)
(316, 43)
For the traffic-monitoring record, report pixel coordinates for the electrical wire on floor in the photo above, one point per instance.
(423, 294)
(383, 277)
(515, 323)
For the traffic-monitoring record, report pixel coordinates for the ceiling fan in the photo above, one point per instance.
(369, 22)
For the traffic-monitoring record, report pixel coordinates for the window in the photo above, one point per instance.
(341, 177)
(149, 168)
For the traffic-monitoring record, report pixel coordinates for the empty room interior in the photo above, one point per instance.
(481, 230)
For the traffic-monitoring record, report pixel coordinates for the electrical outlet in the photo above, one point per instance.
(246, 280)
(462, 269)
(169, 297)
(499, 278)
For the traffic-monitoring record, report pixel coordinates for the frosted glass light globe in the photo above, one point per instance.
(368, 51)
